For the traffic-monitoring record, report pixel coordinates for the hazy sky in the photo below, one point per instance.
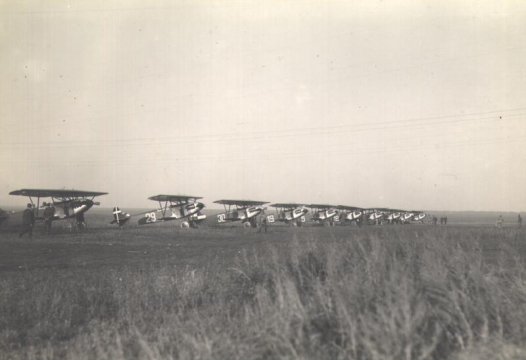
(368, 103)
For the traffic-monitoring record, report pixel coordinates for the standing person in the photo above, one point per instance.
(81, 224)
(500, 220)
(434, 220)
(445, 220)
(49, 214)
(265, 224)
(519, 219)
(28, 221)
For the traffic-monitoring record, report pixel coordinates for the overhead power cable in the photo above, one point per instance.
(276, 156)
(412, 123)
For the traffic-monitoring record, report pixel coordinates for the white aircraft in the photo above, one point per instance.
(171, 207)
(374, 215)
(350, 214)
(419, 216)
(175, 207)
(393, 216)
(324, 214)
(66, 204)
(289, 213)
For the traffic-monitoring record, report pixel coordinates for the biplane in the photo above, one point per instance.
(65, 204)
(289, 213)
(393, 216)
(416, 216)
(120, 217)
(374, 215)
(406, 217)
(350, 214)
(324, 214)
(245, 211)
(175, 207)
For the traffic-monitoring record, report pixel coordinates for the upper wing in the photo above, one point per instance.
(320, 206)
(174, 198)
(286, 205)
(241, 202)
(56, 193)
(345, 207)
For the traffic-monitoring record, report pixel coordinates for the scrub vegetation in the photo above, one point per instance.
(391, 292)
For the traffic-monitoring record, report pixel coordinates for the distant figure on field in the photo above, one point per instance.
(3, 216)
(81, 224)
(28, 221)
(445, 220)
(49, 213)
(263, 225)
(500, 221)
(435, 220)
(519, 219)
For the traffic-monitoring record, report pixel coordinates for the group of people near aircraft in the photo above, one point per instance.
(73, 204)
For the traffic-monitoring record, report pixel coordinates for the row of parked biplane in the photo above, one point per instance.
(73, 204)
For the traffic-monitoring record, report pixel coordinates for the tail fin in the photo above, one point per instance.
(120, 217)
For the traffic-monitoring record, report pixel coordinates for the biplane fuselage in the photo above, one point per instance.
(289, 213)
(187, 210)
(240, 214)
(350, 213)
(419, 217)
(69, 209)
(393, 217)
(323, 214)
(375, 215)
(354, 215)
(245, 211)
(292, 214)
(406, 217)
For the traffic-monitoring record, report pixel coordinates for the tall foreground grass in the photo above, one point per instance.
(404, 294)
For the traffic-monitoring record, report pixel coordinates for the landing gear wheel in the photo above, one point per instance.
(247, 225)
(185, 225)
(294, 224)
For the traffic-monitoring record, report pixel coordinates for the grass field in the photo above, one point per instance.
(160, 292)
